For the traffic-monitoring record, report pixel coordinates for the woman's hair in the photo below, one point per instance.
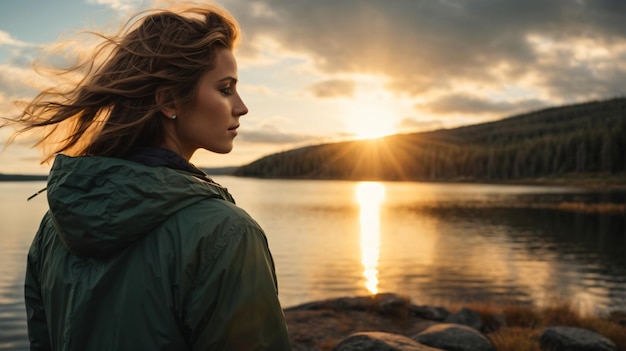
(113, 107)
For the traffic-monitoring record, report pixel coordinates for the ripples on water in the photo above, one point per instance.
(18, 222)
(442, 243)
(433, 243)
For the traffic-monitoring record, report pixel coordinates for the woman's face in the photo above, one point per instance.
(212, 120)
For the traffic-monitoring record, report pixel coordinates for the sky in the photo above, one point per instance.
(319, 71)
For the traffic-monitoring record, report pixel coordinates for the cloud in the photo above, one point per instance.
(262, 90)
(429, 47)
(274, 137)
(7, 39)
(119, 5)
(23, 140)
(18, 76)
(470, 104)
(272, 129)
(333, 88)
(414, 125)
(16, 81)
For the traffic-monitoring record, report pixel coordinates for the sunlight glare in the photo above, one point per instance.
(370, 195)
(370, 119)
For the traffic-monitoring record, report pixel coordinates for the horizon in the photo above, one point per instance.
(309, 76)
(216, 167)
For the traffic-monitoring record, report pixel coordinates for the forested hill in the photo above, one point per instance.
(575, 139)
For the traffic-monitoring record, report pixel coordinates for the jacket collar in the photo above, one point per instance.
(160, 157)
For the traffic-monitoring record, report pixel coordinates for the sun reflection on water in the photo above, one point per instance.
(370, 196)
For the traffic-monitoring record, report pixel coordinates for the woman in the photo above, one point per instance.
(140, 250)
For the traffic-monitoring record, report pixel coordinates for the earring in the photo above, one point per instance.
(173, 116)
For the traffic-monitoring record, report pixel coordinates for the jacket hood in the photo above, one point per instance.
(101, 205)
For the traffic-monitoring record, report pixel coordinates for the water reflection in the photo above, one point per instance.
(370, 195)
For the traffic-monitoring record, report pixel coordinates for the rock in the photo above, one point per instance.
(429, 312)
(359, 303)
(392, 305)
(379, 341)
(467, 317)
(574, 339)
(386, 304)
(454, 337)
(309, 306)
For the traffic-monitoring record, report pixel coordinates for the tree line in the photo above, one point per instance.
(581, 138)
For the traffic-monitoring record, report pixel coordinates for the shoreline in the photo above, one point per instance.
(589, 181)
(592, 181)
(321, 325)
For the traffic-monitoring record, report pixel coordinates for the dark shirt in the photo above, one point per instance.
(160, 157)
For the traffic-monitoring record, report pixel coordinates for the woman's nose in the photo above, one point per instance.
(241, 108)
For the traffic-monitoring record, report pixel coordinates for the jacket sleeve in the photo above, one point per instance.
(36, 316)
(234, 304)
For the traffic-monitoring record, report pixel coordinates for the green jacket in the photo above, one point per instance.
(132, 257)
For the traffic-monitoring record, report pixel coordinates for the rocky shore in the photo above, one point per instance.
(389, 322)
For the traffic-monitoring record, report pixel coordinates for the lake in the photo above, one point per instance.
(435, 243)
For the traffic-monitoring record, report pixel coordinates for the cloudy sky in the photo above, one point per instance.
(314, 71)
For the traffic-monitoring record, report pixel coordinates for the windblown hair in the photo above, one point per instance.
(113, 107)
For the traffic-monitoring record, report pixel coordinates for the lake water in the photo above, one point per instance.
(435, 243)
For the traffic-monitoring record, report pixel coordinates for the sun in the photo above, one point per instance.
(369, 119)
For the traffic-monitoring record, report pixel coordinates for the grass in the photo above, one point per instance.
(601, 208)
(588, 180)
(524, 324)
(515, 339)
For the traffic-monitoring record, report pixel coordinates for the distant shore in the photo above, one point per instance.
(615, 181)
(22, 177)
(592, 180)
(595, 181)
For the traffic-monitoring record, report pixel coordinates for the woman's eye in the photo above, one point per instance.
(226, 91)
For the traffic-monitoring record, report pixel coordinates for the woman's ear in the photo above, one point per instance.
(165, 101)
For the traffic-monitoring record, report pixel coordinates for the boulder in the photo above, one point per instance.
(379, 341)
(454, 337)
(392, 305)
(386, 304)
(574, 339)
(467, 317)
(429, 312)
